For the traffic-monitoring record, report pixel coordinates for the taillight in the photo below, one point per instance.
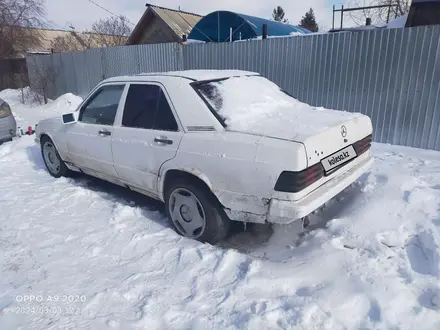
(363, 145)
(296, 181)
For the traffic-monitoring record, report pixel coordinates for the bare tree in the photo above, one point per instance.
(73, 42)
(395, 9)
(112, 31)
(17, 20)
(44, 80)
(66, 43)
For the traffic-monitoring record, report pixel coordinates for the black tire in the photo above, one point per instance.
(217, 223)
(63, 170)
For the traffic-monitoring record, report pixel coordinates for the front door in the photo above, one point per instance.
(89, 140)
(148, 136)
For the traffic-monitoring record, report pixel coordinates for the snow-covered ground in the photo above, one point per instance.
(30, 112)
(370, 261)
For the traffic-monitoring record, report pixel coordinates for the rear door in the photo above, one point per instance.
(148, 136)
(89, 139)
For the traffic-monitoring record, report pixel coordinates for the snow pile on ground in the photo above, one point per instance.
(369, 261)
(257, 105)
(30, 113)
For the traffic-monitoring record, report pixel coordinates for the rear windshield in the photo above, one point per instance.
(238, 99)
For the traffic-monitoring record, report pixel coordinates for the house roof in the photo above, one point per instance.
(47, 36)
(215, 27)
(181, 22)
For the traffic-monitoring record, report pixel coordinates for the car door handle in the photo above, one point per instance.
(104, 133)
(163, 140)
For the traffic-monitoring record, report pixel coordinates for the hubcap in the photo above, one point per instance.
(50, 158)
(187, 213)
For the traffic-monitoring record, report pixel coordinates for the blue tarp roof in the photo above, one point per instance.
(215, 27)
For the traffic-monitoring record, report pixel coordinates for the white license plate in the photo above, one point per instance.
(338, 158)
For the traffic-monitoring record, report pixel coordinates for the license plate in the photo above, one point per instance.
(338, 158)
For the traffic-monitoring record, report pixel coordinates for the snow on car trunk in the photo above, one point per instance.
(253, 104)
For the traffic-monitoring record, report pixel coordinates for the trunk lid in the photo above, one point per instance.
(323, 132)
(333, 146)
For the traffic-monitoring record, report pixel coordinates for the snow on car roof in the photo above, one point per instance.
(210, 74)
(197, 75)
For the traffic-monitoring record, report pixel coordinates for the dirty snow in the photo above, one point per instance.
(257, 105)
(370, 260)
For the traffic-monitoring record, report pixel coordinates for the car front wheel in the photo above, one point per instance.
(195, 212)
(52, 159)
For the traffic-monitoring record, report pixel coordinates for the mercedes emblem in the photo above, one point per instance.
(343, 131)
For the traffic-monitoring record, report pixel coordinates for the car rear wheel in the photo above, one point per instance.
(195, 212)
(54, 164)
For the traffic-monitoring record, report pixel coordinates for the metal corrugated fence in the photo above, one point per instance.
(392, 75)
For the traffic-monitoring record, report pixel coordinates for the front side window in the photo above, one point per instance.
(102, 107)
(147, 107)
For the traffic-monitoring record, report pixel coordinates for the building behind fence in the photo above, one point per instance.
(392, 75)
(13, 73)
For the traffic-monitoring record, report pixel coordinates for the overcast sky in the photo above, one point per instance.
(82, 13)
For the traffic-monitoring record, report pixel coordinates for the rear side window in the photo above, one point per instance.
(140, 106)
(164, 120)
(147, 107)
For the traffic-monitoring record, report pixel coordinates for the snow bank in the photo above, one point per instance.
(31, 112)
(64, 104)
(257, 105)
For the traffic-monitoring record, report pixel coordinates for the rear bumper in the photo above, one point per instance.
(8, 128)
(283, 212)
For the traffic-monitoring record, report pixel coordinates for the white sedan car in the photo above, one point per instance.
(214, 146)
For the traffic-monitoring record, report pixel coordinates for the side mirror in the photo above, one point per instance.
(69, 118)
